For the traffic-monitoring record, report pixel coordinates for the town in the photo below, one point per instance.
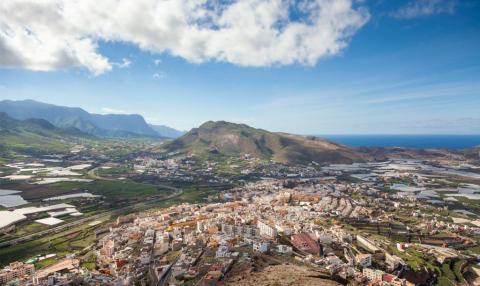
(397, 222)
(240, 143)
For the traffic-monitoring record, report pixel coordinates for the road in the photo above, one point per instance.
(177, 192)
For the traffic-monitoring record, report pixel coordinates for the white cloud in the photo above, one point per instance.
(109, 110)
(419, 8)
(159, 75)
(157, 61)
(124, 64)
(57, 34)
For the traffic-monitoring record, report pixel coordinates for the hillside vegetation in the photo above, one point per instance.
(33, 136)
(230, 139)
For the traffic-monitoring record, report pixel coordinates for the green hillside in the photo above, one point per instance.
(230, 139)
(33, 136)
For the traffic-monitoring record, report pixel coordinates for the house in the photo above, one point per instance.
(266, 230)
(373, 274)
(262, 246)
(304, 242)
(363, 260)
(393, 280)
(284, 249)
(222, 251)
(16, 270)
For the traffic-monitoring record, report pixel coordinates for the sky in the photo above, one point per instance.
(305, 67)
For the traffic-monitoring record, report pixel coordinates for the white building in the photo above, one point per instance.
(284, 249)
(222, 251)
(262, 246)
(367, 244)
(373, 274)
(266, 230)
(364, 260)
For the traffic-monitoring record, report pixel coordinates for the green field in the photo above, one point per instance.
(114, 171)
(63, 243)
(112, 189)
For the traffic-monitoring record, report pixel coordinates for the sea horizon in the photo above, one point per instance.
(448, 141)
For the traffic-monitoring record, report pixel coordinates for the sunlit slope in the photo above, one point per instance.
(232, 139)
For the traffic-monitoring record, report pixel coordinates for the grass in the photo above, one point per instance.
(89, 261)
(414, 258)
(112, 189)
(46, 262)
(447, 272)
(172, 255)
(59, 244)
(89, 265)
(413, 261)
(443, 281)
(114, 171)
(32, 143)
(193, 195)
(29, 228)
(475, 249)
(457, 270)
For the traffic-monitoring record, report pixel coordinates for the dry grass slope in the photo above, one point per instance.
(232, 139)
(281, 275)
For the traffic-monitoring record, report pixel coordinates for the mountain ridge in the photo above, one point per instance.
(232, 139)
(167, 131)
(103, 125)
(34, 136)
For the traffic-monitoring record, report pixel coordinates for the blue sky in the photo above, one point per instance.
(408, 67)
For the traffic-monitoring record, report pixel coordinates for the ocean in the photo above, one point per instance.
(408, 141)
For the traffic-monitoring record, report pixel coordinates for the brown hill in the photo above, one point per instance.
(230, 139)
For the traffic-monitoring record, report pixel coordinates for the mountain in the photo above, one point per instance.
(166, 131)
(109, 125)
(230, 139)
(34, 136)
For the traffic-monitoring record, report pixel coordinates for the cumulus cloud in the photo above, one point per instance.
(56, 34)
(125, 63)
(419, 8)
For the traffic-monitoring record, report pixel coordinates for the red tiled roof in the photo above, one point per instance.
(304, 242)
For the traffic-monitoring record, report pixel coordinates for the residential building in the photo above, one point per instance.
(364, 260)
(266, 230)
(16, 270)
(304, 242)
(261, 246)
(373, 274)
(284, 249)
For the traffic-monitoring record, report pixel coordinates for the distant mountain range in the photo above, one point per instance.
(104, 125)
(166, 131)
(34, 136)
(215, 140)
(230, 139)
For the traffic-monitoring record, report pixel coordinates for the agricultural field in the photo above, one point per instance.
(63, 243)
(117, 189)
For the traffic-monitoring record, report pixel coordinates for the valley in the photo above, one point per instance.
(68, 202)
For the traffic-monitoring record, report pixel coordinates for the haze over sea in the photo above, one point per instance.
(408, 141)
